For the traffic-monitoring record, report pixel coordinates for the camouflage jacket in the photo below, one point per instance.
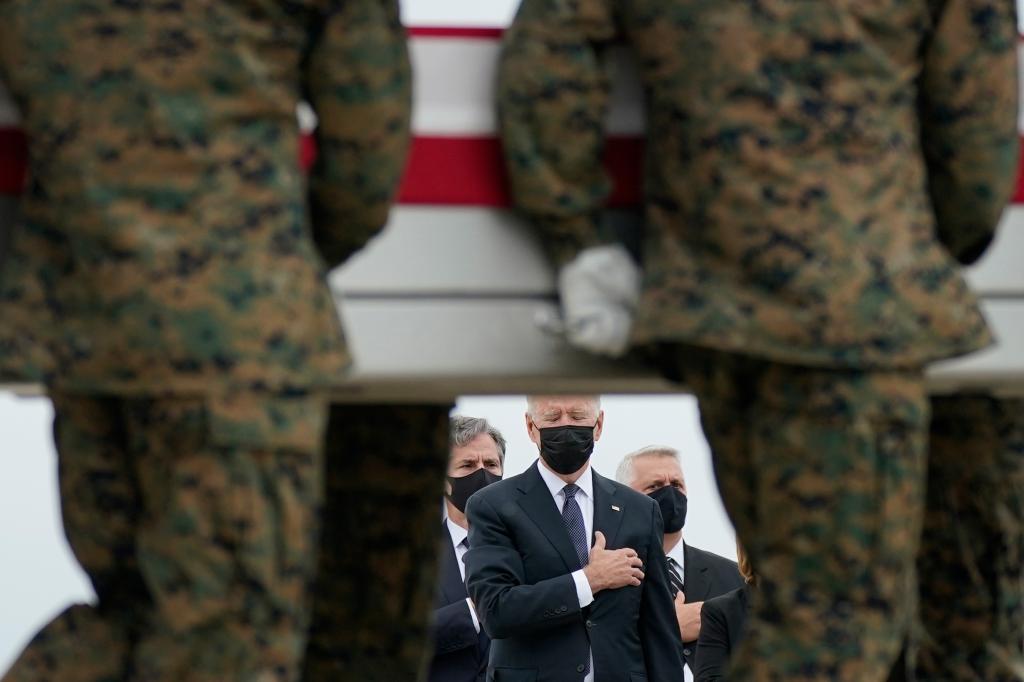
(812, 174)
(170, 240)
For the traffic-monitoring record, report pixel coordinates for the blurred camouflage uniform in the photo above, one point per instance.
(168, 286)
(971, 564)
(375, 588)
(814, 173)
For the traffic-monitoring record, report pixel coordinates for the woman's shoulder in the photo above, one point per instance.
(727, 602)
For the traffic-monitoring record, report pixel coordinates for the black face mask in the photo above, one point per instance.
(566, 448)
(673, 507)
(464, 486)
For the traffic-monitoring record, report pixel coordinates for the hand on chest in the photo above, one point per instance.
(548, 544)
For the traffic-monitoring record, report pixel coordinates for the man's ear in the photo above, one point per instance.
(599, 425)
(531, 430)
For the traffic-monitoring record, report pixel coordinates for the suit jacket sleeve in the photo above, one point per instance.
(659, 628)
(713, 646)
(496, 581)
(358, 80)
(552, 96)
(968, 113)
(453, 628)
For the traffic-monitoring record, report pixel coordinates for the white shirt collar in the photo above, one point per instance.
(555, 484)
(457, 532)
(677, 554)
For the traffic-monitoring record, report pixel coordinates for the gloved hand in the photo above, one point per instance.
(599, 289)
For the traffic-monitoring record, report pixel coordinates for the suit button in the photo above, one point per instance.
(580, 668)
(686, 652)
(590, 623)
(563, 608)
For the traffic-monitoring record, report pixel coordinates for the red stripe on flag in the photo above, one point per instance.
(13, 160)
(455, 32)
(307, 151)
(470, 171)
(455, 170)
(487, 32)
(466, 171)
(1018, 195)
(624, 161)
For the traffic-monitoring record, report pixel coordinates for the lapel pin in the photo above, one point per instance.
(616, 508)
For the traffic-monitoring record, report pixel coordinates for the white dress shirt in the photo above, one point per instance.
(585, 499)
(459, 534)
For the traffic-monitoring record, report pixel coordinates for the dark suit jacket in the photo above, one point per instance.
(519, 575)
(707, 576)
(460, 653)
(722, 620)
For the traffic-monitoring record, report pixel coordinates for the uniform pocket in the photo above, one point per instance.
(267, 421)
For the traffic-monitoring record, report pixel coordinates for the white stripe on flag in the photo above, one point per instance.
(455, 80)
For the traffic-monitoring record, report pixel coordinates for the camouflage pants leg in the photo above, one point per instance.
(822, 472)
(971, 563)
(385, 467)
(197, 521)
(100, 505)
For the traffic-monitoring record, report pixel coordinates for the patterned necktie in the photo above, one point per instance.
(573, 518)
(675, 577)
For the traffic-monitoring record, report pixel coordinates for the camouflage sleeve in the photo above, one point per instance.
(552, 96)
(358, 80)
(968, 112)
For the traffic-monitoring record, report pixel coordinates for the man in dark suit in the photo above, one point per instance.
(695, 575)
(557, 609)
(460, 645)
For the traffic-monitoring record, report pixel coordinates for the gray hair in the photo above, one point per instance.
(624, 474)
(531, 402)
(462, 430)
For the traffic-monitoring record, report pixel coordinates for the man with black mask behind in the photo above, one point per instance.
(460, 646)
(566, 567)
(694, 574)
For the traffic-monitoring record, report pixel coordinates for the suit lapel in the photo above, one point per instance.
(696, 579)
(606, 519)
(452, 586)
(541, 509)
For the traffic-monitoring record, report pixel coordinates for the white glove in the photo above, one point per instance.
(599, 291)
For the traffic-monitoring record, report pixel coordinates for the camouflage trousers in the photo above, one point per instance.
(822, 473)
(971, 563)
(378, 562)
(196, 520)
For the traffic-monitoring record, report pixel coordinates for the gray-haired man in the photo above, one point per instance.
(566, 566)
(460, 646)
(696, 575)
